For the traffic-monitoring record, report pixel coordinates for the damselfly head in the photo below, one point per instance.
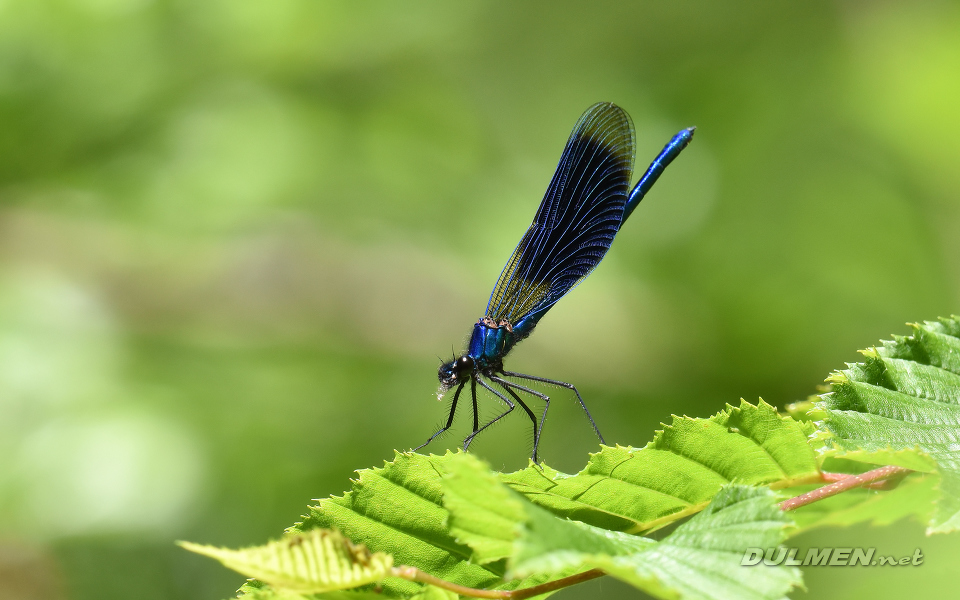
(454, 372)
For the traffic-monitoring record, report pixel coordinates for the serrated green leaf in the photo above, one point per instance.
(695, 561)
(483, 513)
(398, 509)
(679, 472)
(316, 561)
(698, 560)
(905, 396)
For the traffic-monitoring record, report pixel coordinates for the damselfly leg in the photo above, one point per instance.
(536, 430)
(453, 410)
(466, 442)
(563, 384)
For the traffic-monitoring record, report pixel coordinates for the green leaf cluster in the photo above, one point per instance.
(679, 472)
(694, 561)
(503, 541)
(901, 406)
(452, 517)
(713, 483)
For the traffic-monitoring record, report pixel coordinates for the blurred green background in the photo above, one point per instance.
(235, 235)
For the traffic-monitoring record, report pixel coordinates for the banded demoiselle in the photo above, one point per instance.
(586, 203)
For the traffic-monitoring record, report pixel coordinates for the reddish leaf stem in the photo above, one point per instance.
(846, 483)
(884, 484)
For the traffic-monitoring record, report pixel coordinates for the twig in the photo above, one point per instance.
(842, 485)
(415, 574)
(883, 484)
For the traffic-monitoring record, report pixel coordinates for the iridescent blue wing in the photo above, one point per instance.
(576, 222)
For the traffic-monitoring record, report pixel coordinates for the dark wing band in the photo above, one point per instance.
(577, 219)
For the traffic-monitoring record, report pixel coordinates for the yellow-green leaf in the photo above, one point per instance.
(318, 560)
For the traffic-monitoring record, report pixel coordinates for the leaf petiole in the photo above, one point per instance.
(847, 483)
